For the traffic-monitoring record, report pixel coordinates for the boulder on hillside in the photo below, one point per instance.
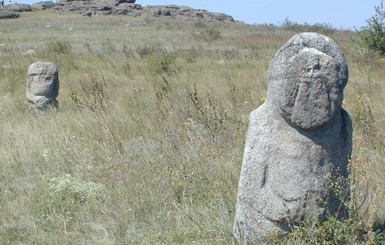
(222, 17)
(6, 14)
(125, 9)
(18, 7)
(42, 5)
(129, 7)
(126, 1)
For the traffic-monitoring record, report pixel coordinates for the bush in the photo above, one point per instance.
(373, 35)
(58, 47)
(67, 187)
(164, 62)
(207, 33)
(92, 94)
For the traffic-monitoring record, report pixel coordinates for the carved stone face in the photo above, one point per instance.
(313, 92)
(307, 82)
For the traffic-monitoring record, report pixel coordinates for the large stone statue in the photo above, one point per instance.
(42, 85)
(298, 141)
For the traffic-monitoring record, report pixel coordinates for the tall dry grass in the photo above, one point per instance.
(147, 144)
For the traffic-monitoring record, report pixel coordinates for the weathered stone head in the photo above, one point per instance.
(42, 85)
(306, 79)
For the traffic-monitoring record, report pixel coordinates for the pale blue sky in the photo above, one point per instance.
(339, 13)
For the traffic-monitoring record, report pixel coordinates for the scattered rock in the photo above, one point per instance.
(165, 12)
(126, 1)
(298, 141)
(6, 14)
(43, 5)
(125, 9)
(75, 7)
(138, 7)
(42, 85)
(129, 7)
(116, 7)
(88, 13)
(222, 17)
(18, 7)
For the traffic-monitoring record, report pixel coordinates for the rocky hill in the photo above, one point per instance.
(121, 7)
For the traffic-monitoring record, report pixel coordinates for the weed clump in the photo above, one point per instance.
(58, 47)
(92, 94)
(323, 28)
(206, 32)
(67, 187)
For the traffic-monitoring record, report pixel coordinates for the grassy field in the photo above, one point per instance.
(147, 145)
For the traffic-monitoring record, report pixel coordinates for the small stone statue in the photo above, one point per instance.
(42, 85)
